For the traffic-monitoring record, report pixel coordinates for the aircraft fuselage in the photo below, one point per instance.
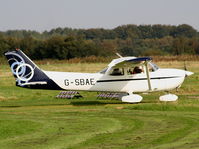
(162, 79)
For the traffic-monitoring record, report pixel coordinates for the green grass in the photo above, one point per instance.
(35, 119)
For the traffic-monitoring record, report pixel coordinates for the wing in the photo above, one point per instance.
(132, 61)
(129, 61)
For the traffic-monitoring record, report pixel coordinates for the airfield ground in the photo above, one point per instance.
(34, 119)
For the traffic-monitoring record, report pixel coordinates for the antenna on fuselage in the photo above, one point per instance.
(118, 55)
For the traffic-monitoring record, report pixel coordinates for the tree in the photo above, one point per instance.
(183, 30)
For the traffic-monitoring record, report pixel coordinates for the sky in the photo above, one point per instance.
(41, 15)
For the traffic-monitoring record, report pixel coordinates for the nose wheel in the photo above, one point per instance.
(168, 97)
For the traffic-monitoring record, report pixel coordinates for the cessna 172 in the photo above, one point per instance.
(126, 75)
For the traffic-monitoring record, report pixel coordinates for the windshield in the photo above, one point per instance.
(153, 66)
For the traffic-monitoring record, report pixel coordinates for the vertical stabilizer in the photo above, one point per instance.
(27, 73)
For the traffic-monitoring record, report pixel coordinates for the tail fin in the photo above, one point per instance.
(27, 73)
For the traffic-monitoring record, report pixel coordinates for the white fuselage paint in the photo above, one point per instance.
(161, 79)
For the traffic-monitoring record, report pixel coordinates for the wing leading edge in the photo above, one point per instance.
(127, 61)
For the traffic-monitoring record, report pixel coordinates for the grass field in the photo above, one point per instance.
(34, 119)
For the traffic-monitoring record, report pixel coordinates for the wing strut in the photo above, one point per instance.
(148, 77)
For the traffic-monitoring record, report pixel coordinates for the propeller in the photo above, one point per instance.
(185, 66)
(187, 73)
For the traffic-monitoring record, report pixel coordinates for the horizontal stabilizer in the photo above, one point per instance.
(35, 83)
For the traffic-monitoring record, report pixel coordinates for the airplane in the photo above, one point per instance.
(128, 75)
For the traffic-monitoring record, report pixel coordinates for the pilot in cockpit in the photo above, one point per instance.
(136, 70)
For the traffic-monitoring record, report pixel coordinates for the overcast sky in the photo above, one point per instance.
(43, 15)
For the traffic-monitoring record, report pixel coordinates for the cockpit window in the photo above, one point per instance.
(135, 70)
(117, 71)
(138, 69)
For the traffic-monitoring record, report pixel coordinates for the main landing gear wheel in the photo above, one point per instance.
(133, 98)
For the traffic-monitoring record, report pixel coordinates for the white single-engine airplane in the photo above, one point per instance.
(125, 75)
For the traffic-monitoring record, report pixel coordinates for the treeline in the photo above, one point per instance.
(67, 43)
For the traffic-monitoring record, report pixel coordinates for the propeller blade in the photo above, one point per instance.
(185, 66)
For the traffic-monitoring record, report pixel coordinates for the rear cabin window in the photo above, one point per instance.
(103, 71)
(117, 72)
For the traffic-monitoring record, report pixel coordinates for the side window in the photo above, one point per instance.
(135, 70)
(103, 71)
(117, 72)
